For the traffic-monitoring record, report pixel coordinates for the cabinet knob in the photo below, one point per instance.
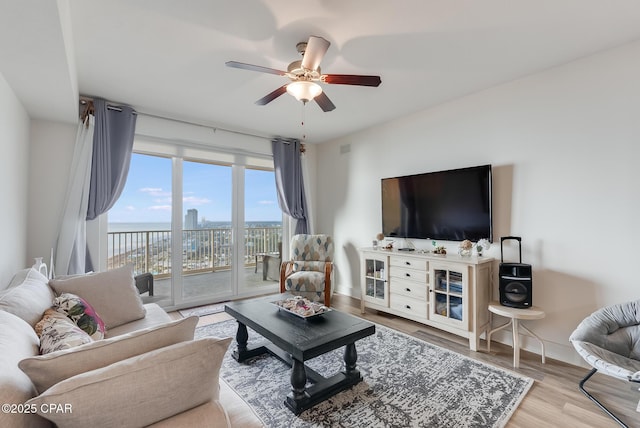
(407, 306)
(407, 274)
(407, 263)
(407, 289)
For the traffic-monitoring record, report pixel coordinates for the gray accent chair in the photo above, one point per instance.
(609, 340)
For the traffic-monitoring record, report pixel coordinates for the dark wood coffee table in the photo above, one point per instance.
(295, 340)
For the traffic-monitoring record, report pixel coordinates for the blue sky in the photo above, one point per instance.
(146, 197)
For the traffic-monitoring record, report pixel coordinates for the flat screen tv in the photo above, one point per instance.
(451, 205)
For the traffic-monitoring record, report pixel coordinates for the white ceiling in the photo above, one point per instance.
(167, 57)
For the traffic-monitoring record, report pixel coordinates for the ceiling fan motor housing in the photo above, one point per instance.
(297, 72)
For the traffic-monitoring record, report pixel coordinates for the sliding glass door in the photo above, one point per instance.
(208, 231)
(262, 231)
(140, 223)
(207, 234)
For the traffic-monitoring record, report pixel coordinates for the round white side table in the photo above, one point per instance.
(515, 315)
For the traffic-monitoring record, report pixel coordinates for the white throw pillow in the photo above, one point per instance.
(113, 294)
(19, 277)
(140, 390)
(17, 341)
(47, 370)
(29, 298)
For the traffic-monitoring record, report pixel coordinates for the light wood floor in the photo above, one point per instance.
(553, 401)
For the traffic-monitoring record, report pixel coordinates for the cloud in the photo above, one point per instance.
(196, 201)
(266, 202)
(154, 191)
(130, 208)
(160, 208)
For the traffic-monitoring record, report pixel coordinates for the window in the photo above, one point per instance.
(227, 218)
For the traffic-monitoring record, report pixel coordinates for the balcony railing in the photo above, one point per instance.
(203, 250)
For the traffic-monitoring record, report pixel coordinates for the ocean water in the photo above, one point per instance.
(118, 244)
(136, 227)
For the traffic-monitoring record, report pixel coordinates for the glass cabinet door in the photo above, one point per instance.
(375, 281)
(449, 295)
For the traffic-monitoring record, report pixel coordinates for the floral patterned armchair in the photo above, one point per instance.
(308, 273)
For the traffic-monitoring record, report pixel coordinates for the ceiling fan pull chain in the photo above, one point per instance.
(304, 136)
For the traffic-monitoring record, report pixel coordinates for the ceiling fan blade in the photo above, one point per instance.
(252, 67)
(272, 96)
(351, 79)
(324, 102)
(316, 48)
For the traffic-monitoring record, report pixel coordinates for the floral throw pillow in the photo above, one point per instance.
(57, 332)
(81, 313)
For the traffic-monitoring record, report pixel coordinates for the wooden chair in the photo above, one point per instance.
(308, 273)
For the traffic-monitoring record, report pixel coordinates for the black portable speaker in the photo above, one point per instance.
(515, 280)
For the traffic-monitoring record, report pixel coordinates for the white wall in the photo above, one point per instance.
(52, 146)
(14, 170)
(565, 151)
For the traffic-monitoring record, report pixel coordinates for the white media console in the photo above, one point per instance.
(448, 292)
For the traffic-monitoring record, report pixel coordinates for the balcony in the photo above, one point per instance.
(206, 257)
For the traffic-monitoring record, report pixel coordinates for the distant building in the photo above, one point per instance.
(191, 219)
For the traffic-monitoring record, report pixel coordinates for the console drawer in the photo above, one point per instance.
(407, 305)
(401, 272)
(408, 262)
(410, 289)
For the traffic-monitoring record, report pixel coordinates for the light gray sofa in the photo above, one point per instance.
(147, 371)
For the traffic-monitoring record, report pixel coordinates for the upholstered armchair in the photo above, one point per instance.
(609, 340)
(308, 273)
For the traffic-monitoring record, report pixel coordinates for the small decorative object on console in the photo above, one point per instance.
(440, 250)
(464, 249)
(302, 307)
(482, 245)
(379, 237)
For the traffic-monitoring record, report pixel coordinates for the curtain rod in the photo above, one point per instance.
(87, 100)
(214, 128)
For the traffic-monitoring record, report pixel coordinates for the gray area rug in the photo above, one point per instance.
(407, 383)
(203, 310)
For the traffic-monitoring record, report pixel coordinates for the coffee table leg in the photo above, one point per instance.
(298, 380)
(242, 352)
(302, 398)
(242, 337)
(350, 358)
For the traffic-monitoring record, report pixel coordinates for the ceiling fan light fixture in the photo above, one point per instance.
(304, 90)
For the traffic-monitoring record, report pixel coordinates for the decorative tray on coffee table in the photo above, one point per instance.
(301, 307)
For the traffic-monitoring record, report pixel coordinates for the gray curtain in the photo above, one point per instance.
(112, 147)
(289, 182)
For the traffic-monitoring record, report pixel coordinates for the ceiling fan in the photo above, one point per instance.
(305, 74)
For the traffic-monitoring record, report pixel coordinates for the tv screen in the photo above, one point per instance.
(451, 205)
